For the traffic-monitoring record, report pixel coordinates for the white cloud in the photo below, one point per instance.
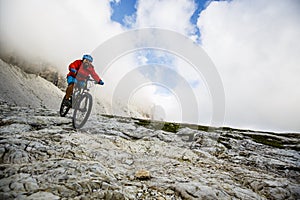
(255, 46)
(53, 30)
(115, 1)
(198, 85)
(168, 14)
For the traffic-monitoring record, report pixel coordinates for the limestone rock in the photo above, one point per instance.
(42, 157)
(42, 195)
(142, 174)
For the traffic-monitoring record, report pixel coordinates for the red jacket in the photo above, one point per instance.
(82, 73)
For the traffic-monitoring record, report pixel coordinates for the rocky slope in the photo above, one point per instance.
(42, 157)
(20, 88)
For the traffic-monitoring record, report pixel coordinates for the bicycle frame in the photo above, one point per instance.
(80, 90)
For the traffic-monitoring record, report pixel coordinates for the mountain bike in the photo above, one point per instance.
(81, 102)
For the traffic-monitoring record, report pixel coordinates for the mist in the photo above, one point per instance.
(54, 31)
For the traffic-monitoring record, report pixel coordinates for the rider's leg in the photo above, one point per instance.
(71, 80)
(69, 90)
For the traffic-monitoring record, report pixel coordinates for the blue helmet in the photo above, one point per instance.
(88, 57)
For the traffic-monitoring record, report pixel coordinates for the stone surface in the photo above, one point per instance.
(42, 157)
(142, 174)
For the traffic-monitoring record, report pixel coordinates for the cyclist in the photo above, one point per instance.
(79, 72)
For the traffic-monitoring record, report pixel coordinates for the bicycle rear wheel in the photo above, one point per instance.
(64, 108)
(82, 111)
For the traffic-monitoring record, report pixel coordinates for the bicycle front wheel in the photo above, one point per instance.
(82, 110)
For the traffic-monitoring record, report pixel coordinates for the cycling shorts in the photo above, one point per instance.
(71, 80)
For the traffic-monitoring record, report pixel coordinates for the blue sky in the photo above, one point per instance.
(123, 8)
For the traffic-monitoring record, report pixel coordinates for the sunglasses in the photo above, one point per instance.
(85, 60)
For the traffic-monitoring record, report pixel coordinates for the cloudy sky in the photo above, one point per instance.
(254, 46)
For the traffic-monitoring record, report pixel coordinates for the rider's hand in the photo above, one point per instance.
(73, 70)
(101, 82)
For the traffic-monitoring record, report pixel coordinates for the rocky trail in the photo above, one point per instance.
(42, 157)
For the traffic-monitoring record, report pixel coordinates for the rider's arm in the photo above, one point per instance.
(74, 66)
(94, 74)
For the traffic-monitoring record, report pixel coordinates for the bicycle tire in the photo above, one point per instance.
(64, 109)
(76, 122)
